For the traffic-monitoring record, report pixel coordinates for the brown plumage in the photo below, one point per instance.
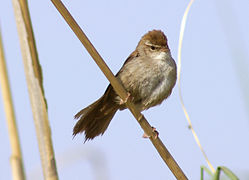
(95, 118)
(155, 37)
(148, 74)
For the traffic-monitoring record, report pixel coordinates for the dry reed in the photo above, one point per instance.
(162, 150)
(16, 155)
(34, 81)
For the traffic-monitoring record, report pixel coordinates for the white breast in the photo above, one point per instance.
(163, 81)
(150, 81)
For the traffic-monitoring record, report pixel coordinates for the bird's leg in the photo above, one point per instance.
(154, 130)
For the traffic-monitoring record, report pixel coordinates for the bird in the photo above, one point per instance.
(148, 75)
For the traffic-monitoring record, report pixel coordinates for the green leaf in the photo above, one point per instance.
(206, 170)
(228, 173)
(216, 175)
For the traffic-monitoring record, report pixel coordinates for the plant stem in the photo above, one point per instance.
(34, 81)
(162, 150)
(16, 155)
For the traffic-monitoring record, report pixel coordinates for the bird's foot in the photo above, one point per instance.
(126, 99)
(154, 130)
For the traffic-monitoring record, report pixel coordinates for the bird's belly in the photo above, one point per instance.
(149, 86)
(159, 89)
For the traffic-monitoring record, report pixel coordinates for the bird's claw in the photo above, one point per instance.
(126, 99)
(154, 130)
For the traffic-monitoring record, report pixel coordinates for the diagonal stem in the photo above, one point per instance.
(162, 150)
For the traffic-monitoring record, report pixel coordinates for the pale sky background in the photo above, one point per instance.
(215, 73)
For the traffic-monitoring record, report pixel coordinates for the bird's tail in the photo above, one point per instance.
(94, 119)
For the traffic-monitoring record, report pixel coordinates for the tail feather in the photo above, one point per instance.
(94, 119)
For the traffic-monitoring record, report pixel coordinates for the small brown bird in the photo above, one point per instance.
(148, 75)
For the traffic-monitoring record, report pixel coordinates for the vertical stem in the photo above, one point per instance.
(34, 81)
(16, 155)
(183, 23)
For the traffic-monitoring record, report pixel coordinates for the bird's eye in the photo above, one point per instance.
(152, 48)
